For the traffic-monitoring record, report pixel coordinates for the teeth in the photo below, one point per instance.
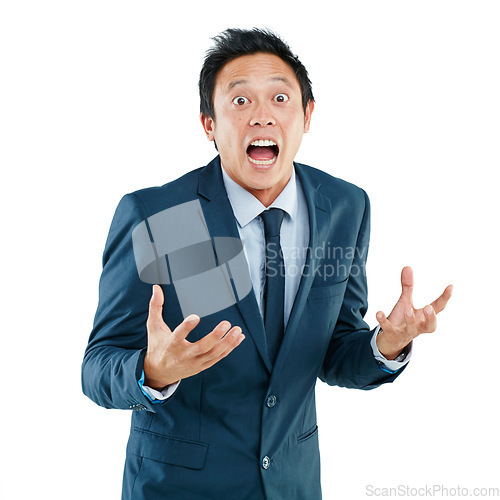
(263, 142)
(263, 163)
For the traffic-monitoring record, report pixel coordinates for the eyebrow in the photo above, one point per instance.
(273, 79)
(236, 83)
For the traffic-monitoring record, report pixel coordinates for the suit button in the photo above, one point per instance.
(271, 401)
(137, 407)
(266, 462)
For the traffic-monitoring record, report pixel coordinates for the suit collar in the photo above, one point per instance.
(210, 183)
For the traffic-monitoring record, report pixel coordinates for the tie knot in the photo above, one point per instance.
(272, 219)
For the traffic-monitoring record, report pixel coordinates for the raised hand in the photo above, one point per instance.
(405, 321)
(170, 357)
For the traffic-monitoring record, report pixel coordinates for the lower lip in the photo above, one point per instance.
(263, 165)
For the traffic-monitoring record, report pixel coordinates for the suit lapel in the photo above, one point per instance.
(319, 208)
(222, 223)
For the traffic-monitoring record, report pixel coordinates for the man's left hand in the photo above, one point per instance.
(405, 321)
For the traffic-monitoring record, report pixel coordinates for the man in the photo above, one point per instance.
(229, 390)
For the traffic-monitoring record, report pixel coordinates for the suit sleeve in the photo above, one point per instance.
(349, 361)
(113, 361)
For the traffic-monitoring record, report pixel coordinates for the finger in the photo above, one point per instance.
(440, 303)
(183, 330)
(430, 322)
(214, 337)
(407, 283)
(384, 323)
(232, 340)
(155, 317)
(411, 324)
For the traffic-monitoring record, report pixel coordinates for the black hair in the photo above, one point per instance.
(233, 43)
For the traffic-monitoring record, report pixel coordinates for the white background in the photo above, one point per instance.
(99, 98)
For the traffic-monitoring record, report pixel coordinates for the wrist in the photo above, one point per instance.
(388, 349)
(153, 384)
(153, 377)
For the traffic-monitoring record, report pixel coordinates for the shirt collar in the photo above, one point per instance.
(246, 206)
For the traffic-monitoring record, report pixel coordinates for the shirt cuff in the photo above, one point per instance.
(391, 364)
(157, 396)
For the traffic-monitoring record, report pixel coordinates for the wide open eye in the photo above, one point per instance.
(281, 98)
(239, 101)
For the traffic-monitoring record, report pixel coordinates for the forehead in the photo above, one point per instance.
(255, 69)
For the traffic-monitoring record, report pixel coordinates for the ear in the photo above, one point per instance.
(307, 116)
(208, 126)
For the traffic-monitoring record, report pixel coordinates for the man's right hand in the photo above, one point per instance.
(170, 357)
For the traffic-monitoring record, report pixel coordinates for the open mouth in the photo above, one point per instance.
(262, 152)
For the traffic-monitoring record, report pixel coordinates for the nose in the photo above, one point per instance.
(262, 116)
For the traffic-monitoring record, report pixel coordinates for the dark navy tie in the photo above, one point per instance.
(274, 288)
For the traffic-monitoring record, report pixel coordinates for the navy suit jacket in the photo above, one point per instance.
(244, 428)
